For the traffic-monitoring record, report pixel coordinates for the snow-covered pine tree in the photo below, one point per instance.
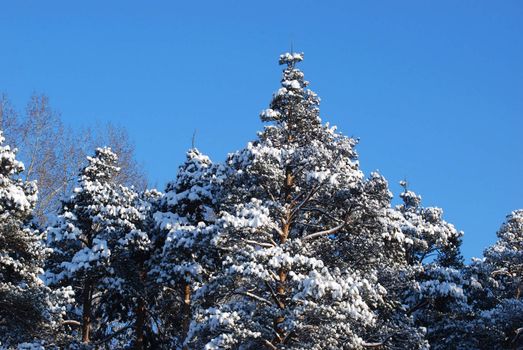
(130, 292)
(436, 292)
(376, 244)
(302, 233)
(185, 228)
(83, 237)
(479, 306)
(431, 236)
(499, 312)
(28, 309)
(506, 256)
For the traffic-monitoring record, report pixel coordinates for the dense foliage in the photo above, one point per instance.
(285, 245)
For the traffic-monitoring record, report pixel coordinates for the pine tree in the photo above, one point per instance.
(83, 239)
(130, 292)
(499, 314)
(437, 292)
(185, 229)
(431, 236)
(28, 309)
(506, 256)
(293, 205)
(479, 306)
(287, 245)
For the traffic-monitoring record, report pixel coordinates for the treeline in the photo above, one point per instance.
(285, 245)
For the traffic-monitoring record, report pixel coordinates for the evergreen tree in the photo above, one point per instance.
(479, 306)
(431, 236)
(83, 239)
(28, 309)
(287, 245)
(437, 294)
(130, 292)
(185, 229)
(293, 203)
(506, 256)
(499, 315)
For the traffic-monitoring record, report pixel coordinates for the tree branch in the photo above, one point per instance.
(112, 335)
(261, 244)
(372, 345)
(305, 200)
(256, 297)
(325, 232)
(323, 212)
(501, 272)
(418, 306)
(274, 296)
(71, 323)
(270, 345)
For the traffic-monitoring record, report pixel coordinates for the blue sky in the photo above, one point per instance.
(433, 89)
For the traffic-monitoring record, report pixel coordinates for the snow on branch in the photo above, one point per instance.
(372, 345)
(291, 58)
(261, 244)
(325, 232)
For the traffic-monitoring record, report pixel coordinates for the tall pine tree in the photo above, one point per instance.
(302, 233)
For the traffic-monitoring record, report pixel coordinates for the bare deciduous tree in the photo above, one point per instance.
(54, 153)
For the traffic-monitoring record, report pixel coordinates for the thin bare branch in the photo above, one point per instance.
(323, 212)
(112, 335)
(274, 276)
(500, 272)
(309, 195)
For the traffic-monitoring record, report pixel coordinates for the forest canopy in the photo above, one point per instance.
(286, 244)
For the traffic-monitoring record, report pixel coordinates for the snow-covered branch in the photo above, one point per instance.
(325, 232)
(256, 297)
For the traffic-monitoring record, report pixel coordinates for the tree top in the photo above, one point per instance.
(290, 59)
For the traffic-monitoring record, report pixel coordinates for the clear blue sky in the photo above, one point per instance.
(433, 89)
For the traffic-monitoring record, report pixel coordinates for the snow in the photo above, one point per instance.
(291, 58)
(30, 346)
(291, 84)
(269, 114)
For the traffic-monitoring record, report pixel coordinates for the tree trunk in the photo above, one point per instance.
(280, 291)
(278, 320)
(140, 322)
(140, 312)
(86, 312)
(282, 273)
(186, 307)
